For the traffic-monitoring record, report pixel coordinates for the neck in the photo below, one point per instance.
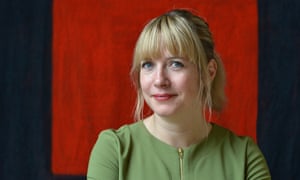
(178, 132)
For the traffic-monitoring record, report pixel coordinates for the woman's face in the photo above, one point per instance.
(170, 85)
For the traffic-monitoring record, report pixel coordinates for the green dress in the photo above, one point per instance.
(132, 153)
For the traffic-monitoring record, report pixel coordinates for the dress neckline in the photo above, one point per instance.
(202, 145)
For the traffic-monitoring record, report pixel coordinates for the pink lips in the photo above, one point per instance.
(163, 97)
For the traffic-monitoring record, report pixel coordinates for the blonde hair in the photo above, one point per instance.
(185, 35)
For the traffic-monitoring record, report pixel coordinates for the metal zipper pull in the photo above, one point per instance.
(180, 153)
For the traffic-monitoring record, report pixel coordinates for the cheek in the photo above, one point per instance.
(191, 85)
(144, 82)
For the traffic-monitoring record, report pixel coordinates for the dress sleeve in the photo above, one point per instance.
(256, 168)
(103, 163)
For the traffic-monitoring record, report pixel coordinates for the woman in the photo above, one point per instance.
(181, 78)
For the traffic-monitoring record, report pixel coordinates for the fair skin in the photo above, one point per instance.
(170, 87)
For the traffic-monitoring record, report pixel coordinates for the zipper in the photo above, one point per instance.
(180, 153)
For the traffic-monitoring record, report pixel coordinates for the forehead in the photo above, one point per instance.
(160, 47)
(166, 34)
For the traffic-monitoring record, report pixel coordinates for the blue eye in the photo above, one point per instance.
(147, 65)
(177, 64)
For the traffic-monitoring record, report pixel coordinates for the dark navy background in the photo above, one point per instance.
(278, 123)
(25, 89)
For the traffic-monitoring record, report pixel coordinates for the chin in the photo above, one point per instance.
(168, 109)
(164, 112)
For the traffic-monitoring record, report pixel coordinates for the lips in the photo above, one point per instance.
(163, 97)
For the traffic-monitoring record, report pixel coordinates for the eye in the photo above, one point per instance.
(176, 64)
(147, 65)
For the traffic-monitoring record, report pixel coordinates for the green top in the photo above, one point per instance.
(132, 153)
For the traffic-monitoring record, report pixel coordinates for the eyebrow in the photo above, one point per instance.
(174, 57)
(167, 58)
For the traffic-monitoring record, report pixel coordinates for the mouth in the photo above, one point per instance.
(163, 97)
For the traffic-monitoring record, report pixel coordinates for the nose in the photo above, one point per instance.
(162, 79)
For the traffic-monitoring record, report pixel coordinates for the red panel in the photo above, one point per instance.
(93, 43)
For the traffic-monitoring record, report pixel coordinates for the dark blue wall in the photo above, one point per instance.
(278, 126)
(25, 84)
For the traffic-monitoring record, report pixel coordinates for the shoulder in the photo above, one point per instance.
(116, 138)
(112, 142)
(245, 150)
(105, 155)
(244, 146)
(123, 133)
(225, 137)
